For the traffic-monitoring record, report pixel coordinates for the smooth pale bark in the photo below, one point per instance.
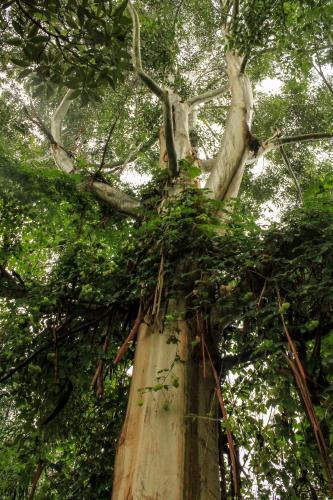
(116, 199)
(168, 448)
(181, 127)
(61, 157)
(226, 174)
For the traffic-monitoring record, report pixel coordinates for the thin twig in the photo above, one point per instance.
(292, 173)
(106, 145)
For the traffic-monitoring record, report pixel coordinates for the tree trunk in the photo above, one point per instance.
(168, 448)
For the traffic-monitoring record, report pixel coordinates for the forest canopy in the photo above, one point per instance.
(166, 167)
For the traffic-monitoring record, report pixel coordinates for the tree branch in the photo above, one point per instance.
(315, 136)
(276, 142)
(37, 120)
(106, 145)
(244, 62)
(62, 159)
(113, 197)
(133, 156)
(323, 77)
(292, 173)
(16, 289)
(116, 199)
(226, 175)
(136, 54)
(59, 115)
(206, 96)
(37, 475)
(151, 84)
(50, 343)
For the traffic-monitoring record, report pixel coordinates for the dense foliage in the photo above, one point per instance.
(64, 312)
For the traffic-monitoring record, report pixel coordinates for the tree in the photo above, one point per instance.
(182, 272)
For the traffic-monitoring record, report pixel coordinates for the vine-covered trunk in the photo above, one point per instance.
(168, 448)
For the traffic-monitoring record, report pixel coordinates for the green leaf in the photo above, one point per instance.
(21, 62)
(14, 41)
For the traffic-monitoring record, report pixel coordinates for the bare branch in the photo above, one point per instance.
(59, 115)
(137, 62)
(151, 84)
(157, 90)
(292, 173)
(106, 145)
(37, 120)
(113, 197)
(37, 475)
(13, 286)
(323, 77)
(207, 96)
(315, 136)
(62, 159)
(276, 142)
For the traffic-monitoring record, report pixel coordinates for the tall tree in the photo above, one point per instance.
(161, 269)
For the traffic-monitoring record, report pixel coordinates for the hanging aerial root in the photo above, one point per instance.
(37, 474)
(301, 383)
(201, 335)
(97, 382)
(123, 349)
(158, 289)
(230, 439)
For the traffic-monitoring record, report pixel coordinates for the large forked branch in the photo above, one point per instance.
(225, 177)
(162, 94)
(112, 196)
